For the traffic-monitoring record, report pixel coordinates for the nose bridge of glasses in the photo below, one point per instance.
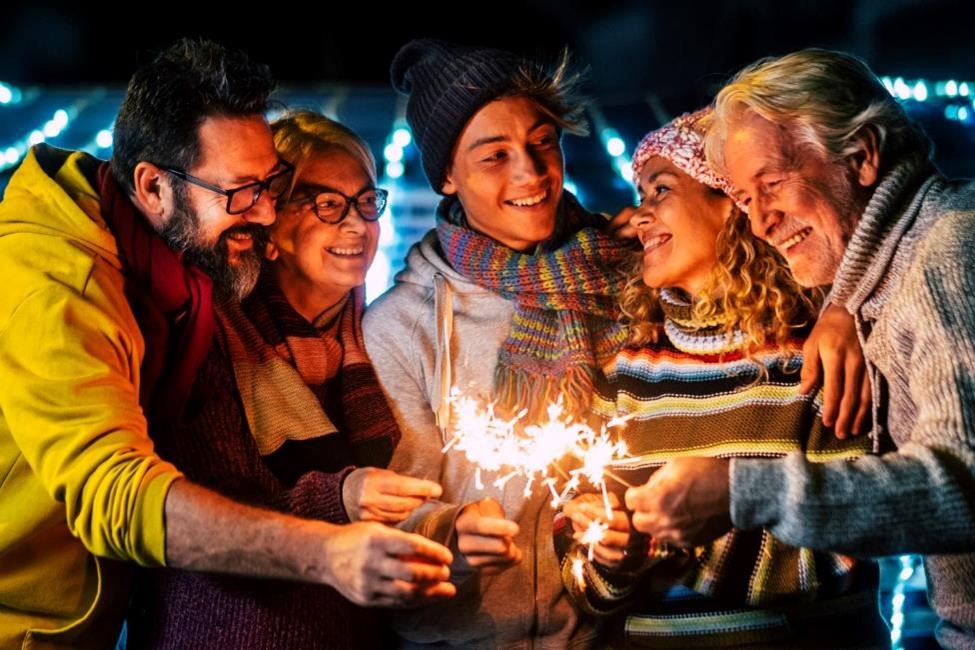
(246, 197)
(368, 203)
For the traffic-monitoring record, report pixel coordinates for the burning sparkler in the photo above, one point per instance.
(494, 444)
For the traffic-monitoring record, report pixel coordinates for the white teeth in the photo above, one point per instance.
(345, 251)
(530, 200)
(795, 239)
(239, 235)
(655, 241)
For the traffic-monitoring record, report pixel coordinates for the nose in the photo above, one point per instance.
(262, 212)
(529, 167)
(762, 217)
(353, 219)
(642, 217)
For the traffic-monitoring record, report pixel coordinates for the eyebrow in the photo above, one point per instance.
(765, 169)
(318, 189)
(247, 180)
(662, 172)
(491, 139)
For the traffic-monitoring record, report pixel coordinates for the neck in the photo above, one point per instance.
(309, 300)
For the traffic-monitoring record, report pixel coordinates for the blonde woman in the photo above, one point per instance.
(712, 369)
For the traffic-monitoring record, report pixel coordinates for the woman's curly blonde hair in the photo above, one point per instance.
(750, 289)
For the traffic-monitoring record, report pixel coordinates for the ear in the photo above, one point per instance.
(865, 160)
(727, 208)
(152, 192)
(449, 187)
(271, 251)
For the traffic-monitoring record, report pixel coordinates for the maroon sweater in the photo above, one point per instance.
(180, 609)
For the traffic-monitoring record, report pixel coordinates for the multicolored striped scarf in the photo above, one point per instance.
(565, 325)
(281, 361)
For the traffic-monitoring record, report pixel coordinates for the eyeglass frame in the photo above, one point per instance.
(349, 202)
(265, 185)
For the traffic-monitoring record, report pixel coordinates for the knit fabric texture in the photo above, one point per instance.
(908, 276)
(446, 84)
(695, 393)
(214, 445)
(681, 141)
(280, 360)
(565, 324)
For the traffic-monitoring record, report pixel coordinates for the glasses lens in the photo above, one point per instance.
(278, 184)
(243, 198)
(370, 205)
(330, 206)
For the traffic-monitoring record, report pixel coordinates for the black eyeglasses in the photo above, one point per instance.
(243, 198)
(333, 207)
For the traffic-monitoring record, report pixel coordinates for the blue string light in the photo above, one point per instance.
(953, 94)
(10, 95)
(13, 153)
(908, 566)
(399, 138)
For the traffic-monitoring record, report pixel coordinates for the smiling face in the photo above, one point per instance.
(678, 222)
(234, 151)
(315, 263)
(802, 204)
(507, 171)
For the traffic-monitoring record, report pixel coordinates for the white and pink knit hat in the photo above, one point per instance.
(681, 141)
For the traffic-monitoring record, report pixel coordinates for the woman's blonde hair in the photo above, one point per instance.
(302, 135)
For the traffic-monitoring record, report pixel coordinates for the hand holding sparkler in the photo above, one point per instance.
(608, 541)
(486, 538)
(686, 502)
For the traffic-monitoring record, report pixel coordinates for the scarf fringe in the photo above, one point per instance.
(519, 390)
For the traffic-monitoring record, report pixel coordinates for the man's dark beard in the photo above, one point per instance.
(230, 281)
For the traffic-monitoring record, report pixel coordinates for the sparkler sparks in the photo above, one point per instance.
(505, 447)
(593, 535)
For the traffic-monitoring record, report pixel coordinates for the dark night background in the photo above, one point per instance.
(648, 62)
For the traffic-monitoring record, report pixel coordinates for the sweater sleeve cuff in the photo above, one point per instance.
(318, 495)
(756, 485)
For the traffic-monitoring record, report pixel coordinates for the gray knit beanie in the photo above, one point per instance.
(446, 85)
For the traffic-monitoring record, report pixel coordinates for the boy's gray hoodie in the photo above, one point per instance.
(434, 330)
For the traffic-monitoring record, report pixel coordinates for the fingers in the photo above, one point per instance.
(810, 375)
(852, 391)
(392, 504)
(399, 543)
(384, 516)
(392, 484)
(620, 226)
(860, 423)
(609, 557)
(486, 526)
(387, 496)
(394, 592)
(486, 538)
(491, 563)
(412, 568)
(832, 387)
(587, 508)
(485, 518)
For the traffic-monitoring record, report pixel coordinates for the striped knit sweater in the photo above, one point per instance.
(908, 276)
(695, 393)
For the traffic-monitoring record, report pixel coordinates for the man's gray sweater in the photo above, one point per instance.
(908, 276)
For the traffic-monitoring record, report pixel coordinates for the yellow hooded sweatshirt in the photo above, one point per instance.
(80, 484)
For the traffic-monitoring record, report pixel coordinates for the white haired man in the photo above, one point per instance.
(840, 181)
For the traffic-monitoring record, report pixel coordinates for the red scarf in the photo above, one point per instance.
(172, 303)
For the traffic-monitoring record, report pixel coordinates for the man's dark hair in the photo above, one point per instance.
(170, 97)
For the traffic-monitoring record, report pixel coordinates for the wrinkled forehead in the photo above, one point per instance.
(753, 143)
